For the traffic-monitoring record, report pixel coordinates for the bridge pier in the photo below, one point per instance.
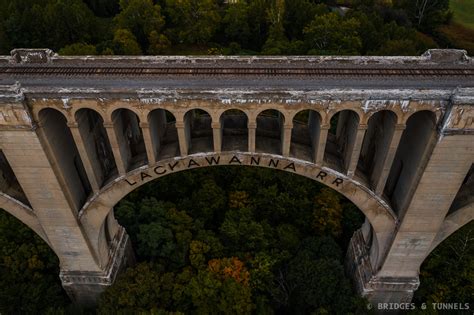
(395, 278)
(376, 289)
(85, 287)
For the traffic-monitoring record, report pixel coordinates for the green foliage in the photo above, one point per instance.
(78, 49)
(426, 14)
(158, 43)
(244, 27)
(194, 21)
(29, 270)
(103, 8)
(125, 43)
(212, 295)
(236, 23)
(145, 288)
(141, 18)
(331, 34)
(327, 213)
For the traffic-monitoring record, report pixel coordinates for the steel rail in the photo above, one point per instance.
(236, 71)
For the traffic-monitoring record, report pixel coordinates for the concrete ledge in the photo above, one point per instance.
(430, 57)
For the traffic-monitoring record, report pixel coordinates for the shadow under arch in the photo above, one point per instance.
(379, 214)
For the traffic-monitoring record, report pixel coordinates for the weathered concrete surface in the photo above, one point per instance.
(401, 150)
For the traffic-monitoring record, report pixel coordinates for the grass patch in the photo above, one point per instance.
(463, 12)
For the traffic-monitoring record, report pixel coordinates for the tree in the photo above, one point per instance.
(69, 21)
(208, 201)
(194, 21)
(141, 18)
(426, 14)
(125, 43)
(241, 231)
(276, 43)
(236, 23)
(144, 288)
(327, 213)
(332, 34)
(29, 281)
(211, 294)
(298, 14)
(158, 43)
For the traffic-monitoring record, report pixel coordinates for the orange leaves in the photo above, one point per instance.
(227, 268)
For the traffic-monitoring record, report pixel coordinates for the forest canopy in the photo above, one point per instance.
(180, 27)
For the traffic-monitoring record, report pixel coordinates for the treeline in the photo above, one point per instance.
(133, 27)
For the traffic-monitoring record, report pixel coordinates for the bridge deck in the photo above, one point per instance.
(436, 69)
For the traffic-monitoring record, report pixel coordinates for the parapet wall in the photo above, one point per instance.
(431, 58)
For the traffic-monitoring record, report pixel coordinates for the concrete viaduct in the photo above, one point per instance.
(395, 135)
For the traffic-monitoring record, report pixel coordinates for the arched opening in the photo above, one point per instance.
(198, 130)
(410, 159)
(245, 218)
(164, 136)
(65, 155)
(341, 139)
(234, 130)
(376, 210)
(447, 270)
(376, 145)
(9, 183)
(130, 138)
(97, 144)
(29, 270)
(465, 194)
(269, 132)
(305, 135)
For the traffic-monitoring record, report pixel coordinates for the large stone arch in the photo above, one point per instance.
(452, 223)
(377, 211)
(23, 213)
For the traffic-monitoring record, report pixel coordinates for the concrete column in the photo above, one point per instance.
(354, 156)
(396, 279)
(116, 148)
(37, 174)
(217, 136)
(182, 138)
(381, 175)
(150, 152)
(252, 130)
(86, 159)
(321, 145)
(286, 139)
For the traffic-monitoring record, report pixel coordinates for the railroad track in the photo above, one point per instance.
(208, 71)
